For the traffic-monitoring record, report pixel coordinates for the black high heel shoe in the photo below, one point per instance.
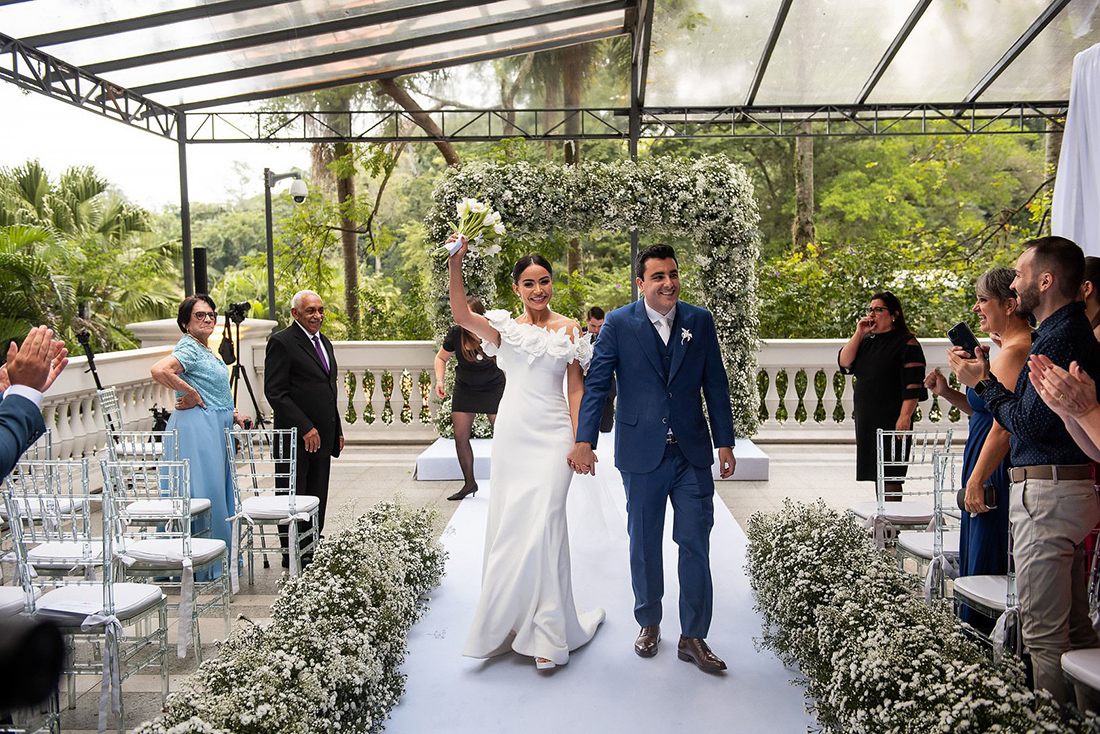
(464, 493)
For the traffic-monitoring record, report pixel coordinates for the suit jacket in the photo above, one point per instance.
(20, 426)
(649, 403)
(297, 388)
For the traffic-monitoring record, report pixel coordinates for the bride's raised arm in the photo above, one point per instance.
(463, 316)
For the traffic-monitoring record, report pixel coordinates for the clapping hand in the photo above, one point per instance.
(38, 363)
(970, 370)
(1070, 394)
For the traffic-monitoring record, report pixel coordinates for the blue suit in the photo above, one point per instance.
(21, 425)
(661, 387)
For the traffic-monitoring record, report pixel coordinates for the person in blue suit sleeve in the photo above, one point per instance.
(664, 357)
(28, 373)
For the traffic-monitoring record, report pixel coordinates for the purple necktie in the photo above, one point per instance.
(320, 352)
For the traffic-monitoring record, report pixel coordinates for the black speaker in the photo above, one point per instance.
(201, 282)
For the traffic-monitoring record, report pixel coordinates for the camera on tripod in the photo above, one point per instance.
(236, 311)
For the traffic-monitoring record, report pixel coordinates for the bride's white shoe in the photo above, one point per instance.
(544, 664)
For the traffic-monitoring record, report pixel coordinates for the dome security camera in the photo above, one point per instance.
(298, 190)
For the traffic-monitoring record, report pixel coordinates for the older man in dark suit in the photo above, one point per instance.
(300, 385)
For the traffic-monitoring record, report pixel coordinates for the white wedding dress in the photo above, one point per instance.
(526, 602)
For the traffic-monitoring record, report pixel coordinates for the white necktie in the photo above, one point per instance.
(663, 328)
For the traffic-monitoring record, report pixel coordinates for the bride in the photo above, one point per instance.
(526, 601)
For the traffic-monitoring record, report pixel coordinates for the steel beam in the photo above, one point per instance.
(1044, 19)
(37, 71)
(769, 47)
(892, 50)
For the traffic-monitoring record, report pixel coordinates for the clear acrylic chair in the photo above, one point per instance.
(912, 451)
(935, 552)
(1082, 667)
(263, 465)
(168, 551)
(152, 447)
(64, 550)
(993, 596)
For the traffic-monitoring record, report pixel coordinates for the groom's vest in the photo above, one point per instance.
(665, 350)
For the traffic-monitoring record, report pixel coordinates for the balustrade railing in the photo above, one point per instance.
(386, 393)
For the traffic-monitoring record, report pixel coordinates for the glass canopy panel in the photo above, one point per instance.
(445, 53)
(351, 22)
(706, 55)
(1045, 68)
(828, 49)
(955, 43)
(46, 16)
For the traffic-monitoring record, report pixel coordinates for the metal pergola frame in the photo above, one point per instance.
(22, 63)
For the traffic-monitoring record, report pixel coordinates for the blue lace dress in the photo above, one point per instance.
(983, 549)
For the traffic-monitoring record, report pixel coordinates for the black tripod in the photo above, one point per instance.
(236, 315)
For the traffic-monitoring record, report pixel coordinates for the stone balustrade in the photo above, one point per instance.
(386, 389)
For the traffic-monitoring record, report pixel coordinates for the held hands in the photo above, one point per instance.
(582, 459)
(38, 363)
(190, 399)
(727, 463)
(312, 440)
(1070, 394)
(970, 370)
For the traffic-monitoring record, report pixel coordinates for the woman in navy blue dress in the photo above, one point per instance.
(984, 546)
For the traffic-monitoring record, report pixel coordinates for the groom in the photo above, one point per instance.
(662, 353)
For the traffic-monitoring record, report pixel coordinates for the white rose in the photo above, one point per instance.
(533, 342)
(558, 345)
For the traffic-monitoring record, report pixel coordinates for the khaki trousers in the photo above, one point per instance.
(1050, 521)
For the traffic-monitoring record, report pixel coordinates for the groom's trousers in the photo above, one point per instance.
(691, 490)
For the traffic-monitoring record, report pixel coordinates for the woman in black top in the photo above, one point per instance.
(888, 364)
(479, 384)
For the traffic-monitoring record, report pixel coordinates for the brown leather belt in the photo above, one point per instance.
(1067, 472)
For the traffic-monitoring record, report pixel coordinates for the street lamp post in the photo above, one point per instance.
(298, 193)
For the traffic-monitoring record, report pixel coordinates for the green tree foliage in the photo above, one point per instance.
(77, 257)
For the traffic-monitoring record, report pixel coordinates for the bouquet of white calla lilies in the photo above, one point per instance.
(478, 226)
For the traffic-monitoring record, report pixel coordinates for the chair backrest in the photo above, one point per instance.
(263, 461)
(914, 450)
(109, 409)
(948, 479)
(168, 483)
(40, 449)
(49, 504)
(143, 446)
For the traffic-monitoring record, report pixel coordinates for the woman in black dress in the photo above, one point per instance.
(888, 364)
(479, 384)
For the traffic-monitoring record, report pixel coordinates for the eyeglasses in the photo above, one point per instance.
(204, 316)
(877, 309)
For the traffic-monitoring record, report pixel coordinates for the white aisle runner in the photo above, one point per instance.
(605, 687)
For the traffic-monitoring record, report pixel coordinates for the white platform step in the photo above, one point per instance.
(439, 462)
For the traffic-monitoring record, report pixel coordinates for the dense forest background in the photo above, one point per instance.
(840, 217)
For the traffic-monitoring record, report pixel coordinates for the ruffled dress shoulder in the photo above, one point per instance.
(534, 342)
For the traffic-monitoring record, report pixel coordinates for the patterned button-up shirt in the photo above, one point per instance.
(1038, 435)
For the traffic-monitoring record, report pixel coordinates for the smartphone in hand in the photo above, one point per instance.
(961, 336)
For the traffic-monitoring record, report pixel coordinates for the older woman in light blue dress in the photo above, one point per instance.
(204, 409)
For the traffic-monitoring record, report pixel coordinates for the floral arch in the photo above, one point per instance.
(708, 201)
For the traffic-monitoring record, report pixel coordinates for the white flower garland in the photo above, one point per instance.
(874, 656)
(707, 200)
(329, 660)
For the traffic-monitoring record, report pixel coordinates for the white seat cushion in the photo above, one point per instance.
(60, 556)
(69, 605)
(167, 553)
(899, 513)
(988, 591)
(1083, 666)
(11, 600)
(53, 506)
(155, 509)
(276, 507)
(921, 544)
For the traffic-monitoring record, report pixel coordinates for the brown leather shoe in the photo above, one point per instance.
(695, 650)
(646, 644)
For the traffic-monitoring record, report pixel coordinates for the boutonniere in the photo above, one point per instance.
(685, 336)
